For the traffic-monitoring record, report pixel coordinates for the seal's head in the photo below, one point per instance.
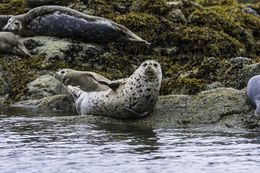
(150, 70)
(60, 75)
(13, 25)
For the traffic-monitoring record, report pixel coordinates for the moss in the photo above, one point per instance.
(152, 6)
(256, 7)
(139, 22)
(242, 27)
(206, 41)
(19, 72)
(216, 2)
(183, 85)
(13, 7)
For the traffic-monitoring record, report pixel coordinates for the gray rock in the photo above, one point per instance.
(62, 102)
(53, 48)
(176, 15)
(225, 107)
(45, 86)
(249, 71)
(47, 92)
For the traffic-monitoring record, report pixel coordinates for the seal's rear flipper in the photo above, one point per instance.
(23, 49)
(138, 115)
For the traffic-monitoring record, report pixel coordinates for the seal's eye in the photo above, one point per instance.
(62, 72)
(155, 65)
(17, 23)
(145, 64)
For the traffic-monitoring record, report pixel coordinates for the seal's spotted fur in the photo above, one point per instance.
(128, 98)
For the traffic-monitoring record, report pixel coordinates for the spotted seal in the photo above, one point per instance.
(9, 43)
(65, 22)
(86, 80)
(128, 98)
(253, 93)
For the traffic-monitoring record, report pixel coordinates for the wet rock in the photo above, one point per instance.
(63, 102)
(225, 107)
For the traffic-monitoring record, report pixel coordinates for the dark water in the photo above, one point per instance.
(34, 141)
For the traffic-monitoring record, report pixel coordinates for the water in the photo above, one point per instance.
(34, 141)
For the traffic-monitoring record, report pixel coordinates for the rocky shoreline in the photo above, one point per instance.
(208, 51)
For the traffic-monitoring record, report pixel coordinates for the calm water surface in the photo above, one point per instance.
(34, 141)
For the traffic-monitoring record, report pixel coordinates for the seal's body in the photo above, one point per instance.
(9, 43)
(253, 93)
(133, 97)
(85, 80)
(64, 22)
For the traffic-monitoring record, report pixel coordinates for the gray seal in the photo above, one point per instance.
(253, 93)
(9, 43)
(86, 80)
(64, 22)
(129, 98)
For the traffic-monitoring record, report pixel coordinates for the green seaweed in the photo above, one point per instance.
(13, 7)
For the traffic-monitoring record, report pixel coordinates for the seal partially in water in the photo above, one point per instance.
(253, 93)
(9, 43)
(129, 98)
(86, 80)
(64, 22)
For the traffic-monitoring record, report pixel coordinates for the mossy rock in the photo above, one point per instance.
(207, 3)
(240, 26)
(13, 7)
(158, 7)
(206, 41)
(17, 73)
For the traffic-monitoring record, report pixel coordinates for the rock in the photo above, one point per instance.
(62, 102)
(175, 15)
(45, 86)
(47, 92)
(250, 71)
(53, 48)
(225, 107)
(248, 9)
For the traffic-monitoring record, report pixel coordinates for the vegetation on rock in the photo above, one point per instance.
(193, 54)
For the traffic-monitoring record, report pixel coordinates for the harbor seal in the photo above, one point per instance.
(64, 22)
(86, 80)
(9, 43)
(128, 98)
(253, 93)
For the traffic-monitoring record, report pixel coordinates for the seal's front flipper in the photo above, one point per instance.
(138, 115)
(112, 84)
(257, 111)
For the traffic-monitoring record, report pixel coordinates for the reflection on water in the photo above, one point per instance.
(34, 141)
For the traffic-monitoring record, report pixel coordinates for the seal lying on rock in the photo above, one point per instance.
(64, 22)
(129, 98)
(87, 81)
(9, 43)
(253, 93)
